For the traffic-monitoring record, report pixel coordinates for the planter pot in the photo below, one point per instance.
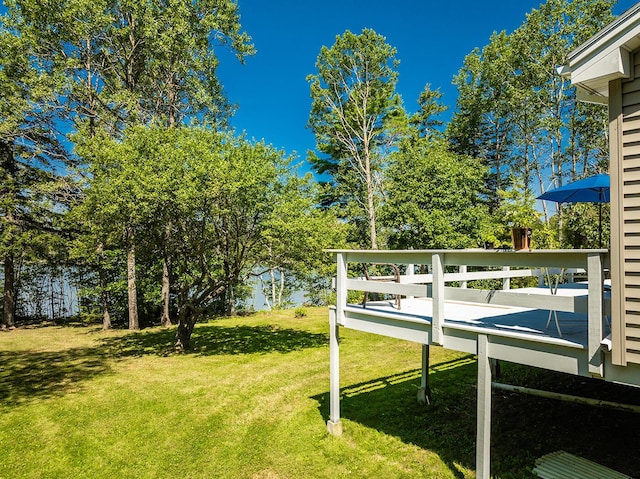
(521, 238)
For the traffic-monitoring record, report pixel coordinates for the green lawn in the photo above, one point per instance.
(251, 401)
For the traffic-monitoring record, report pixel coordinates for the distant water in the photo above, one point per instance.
(258, 301)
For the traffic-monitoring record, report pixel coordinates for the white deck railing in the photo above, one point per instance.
(512, 264)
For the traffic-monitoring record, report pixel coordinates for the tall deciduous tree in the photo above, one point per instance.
(355, 116)
(230, 204)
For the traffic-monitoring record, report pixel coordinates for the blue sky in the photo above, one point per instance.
(432, 39)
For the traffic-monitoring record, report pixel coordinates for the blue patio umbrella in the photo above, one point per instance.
(594, 189)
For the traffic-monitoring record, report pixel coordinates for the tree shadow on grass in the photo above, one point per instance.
(524, 427)
(210, 339)
(32, 375)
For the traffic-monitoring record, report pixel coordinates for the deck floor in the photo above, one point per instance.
(495, 318)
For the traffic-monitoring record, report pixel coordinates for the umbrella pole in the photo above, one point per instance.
(600, 223)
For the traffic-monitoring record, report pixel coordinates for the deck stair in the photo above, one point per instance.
(562, 465)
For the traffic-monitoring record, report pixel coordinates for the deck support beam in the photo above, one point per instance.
(424, 392)
(483, 435)
(334, 424)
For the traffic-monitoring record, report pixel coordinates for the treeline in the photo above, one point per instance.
(405, 180)
(121, 178)
(118, 165)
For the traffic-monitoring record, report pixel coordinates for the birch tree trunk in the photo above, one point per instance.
(131, 286)
(165, 319)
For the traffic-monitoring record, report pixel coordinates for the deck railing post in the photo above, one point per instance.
(334, 424)
(437, 265)
(341, 286)
(463, 270)
(411, 271)
(596, 310)
(506, 282)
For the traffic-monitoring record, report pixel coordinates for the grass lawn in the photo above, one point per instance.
(251, 401)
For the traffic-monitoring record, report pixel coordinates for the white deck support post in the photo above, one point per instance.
(336, 316)
(424, 392)
(334, 424)
(462, 269)
(483, 433)
(596, 310)
(437, 265)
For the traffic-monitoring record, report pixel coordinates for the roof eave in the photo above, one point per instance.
(604, 57)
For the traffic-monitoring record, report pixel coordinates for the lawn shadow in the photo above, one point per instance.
(210, 339)
(33, 375)
(524, 427)
(389, 404)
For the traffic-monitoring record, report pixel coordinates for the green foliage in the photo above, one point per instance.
(300, 312)
(516, 114)
(545, 236)
(295, 235)
(582, 226)
(31, 158)
(434, 198)
(356, 116)
(216, 207)
(425, 120)
(518, 206)
(128, 62)
(102, 66)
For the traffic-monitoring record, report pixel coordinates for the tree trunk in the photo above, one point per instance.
(183, 335)
(104, 299)
(9, 310)
(104, 296)
(272, 276)
(184, 330)
(281, 291)
(131, 287)
(232, 302)
(371, 206)
(165, 319)
(9, 193)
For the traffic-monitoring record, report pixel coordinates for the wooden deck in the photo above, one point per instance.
(517, 322)
(438, 308)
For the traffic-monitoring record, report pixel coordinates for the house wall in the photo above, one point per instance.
(624, 113)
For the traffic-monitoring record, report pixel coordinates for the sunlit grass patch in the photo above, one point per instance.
(251, 401)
